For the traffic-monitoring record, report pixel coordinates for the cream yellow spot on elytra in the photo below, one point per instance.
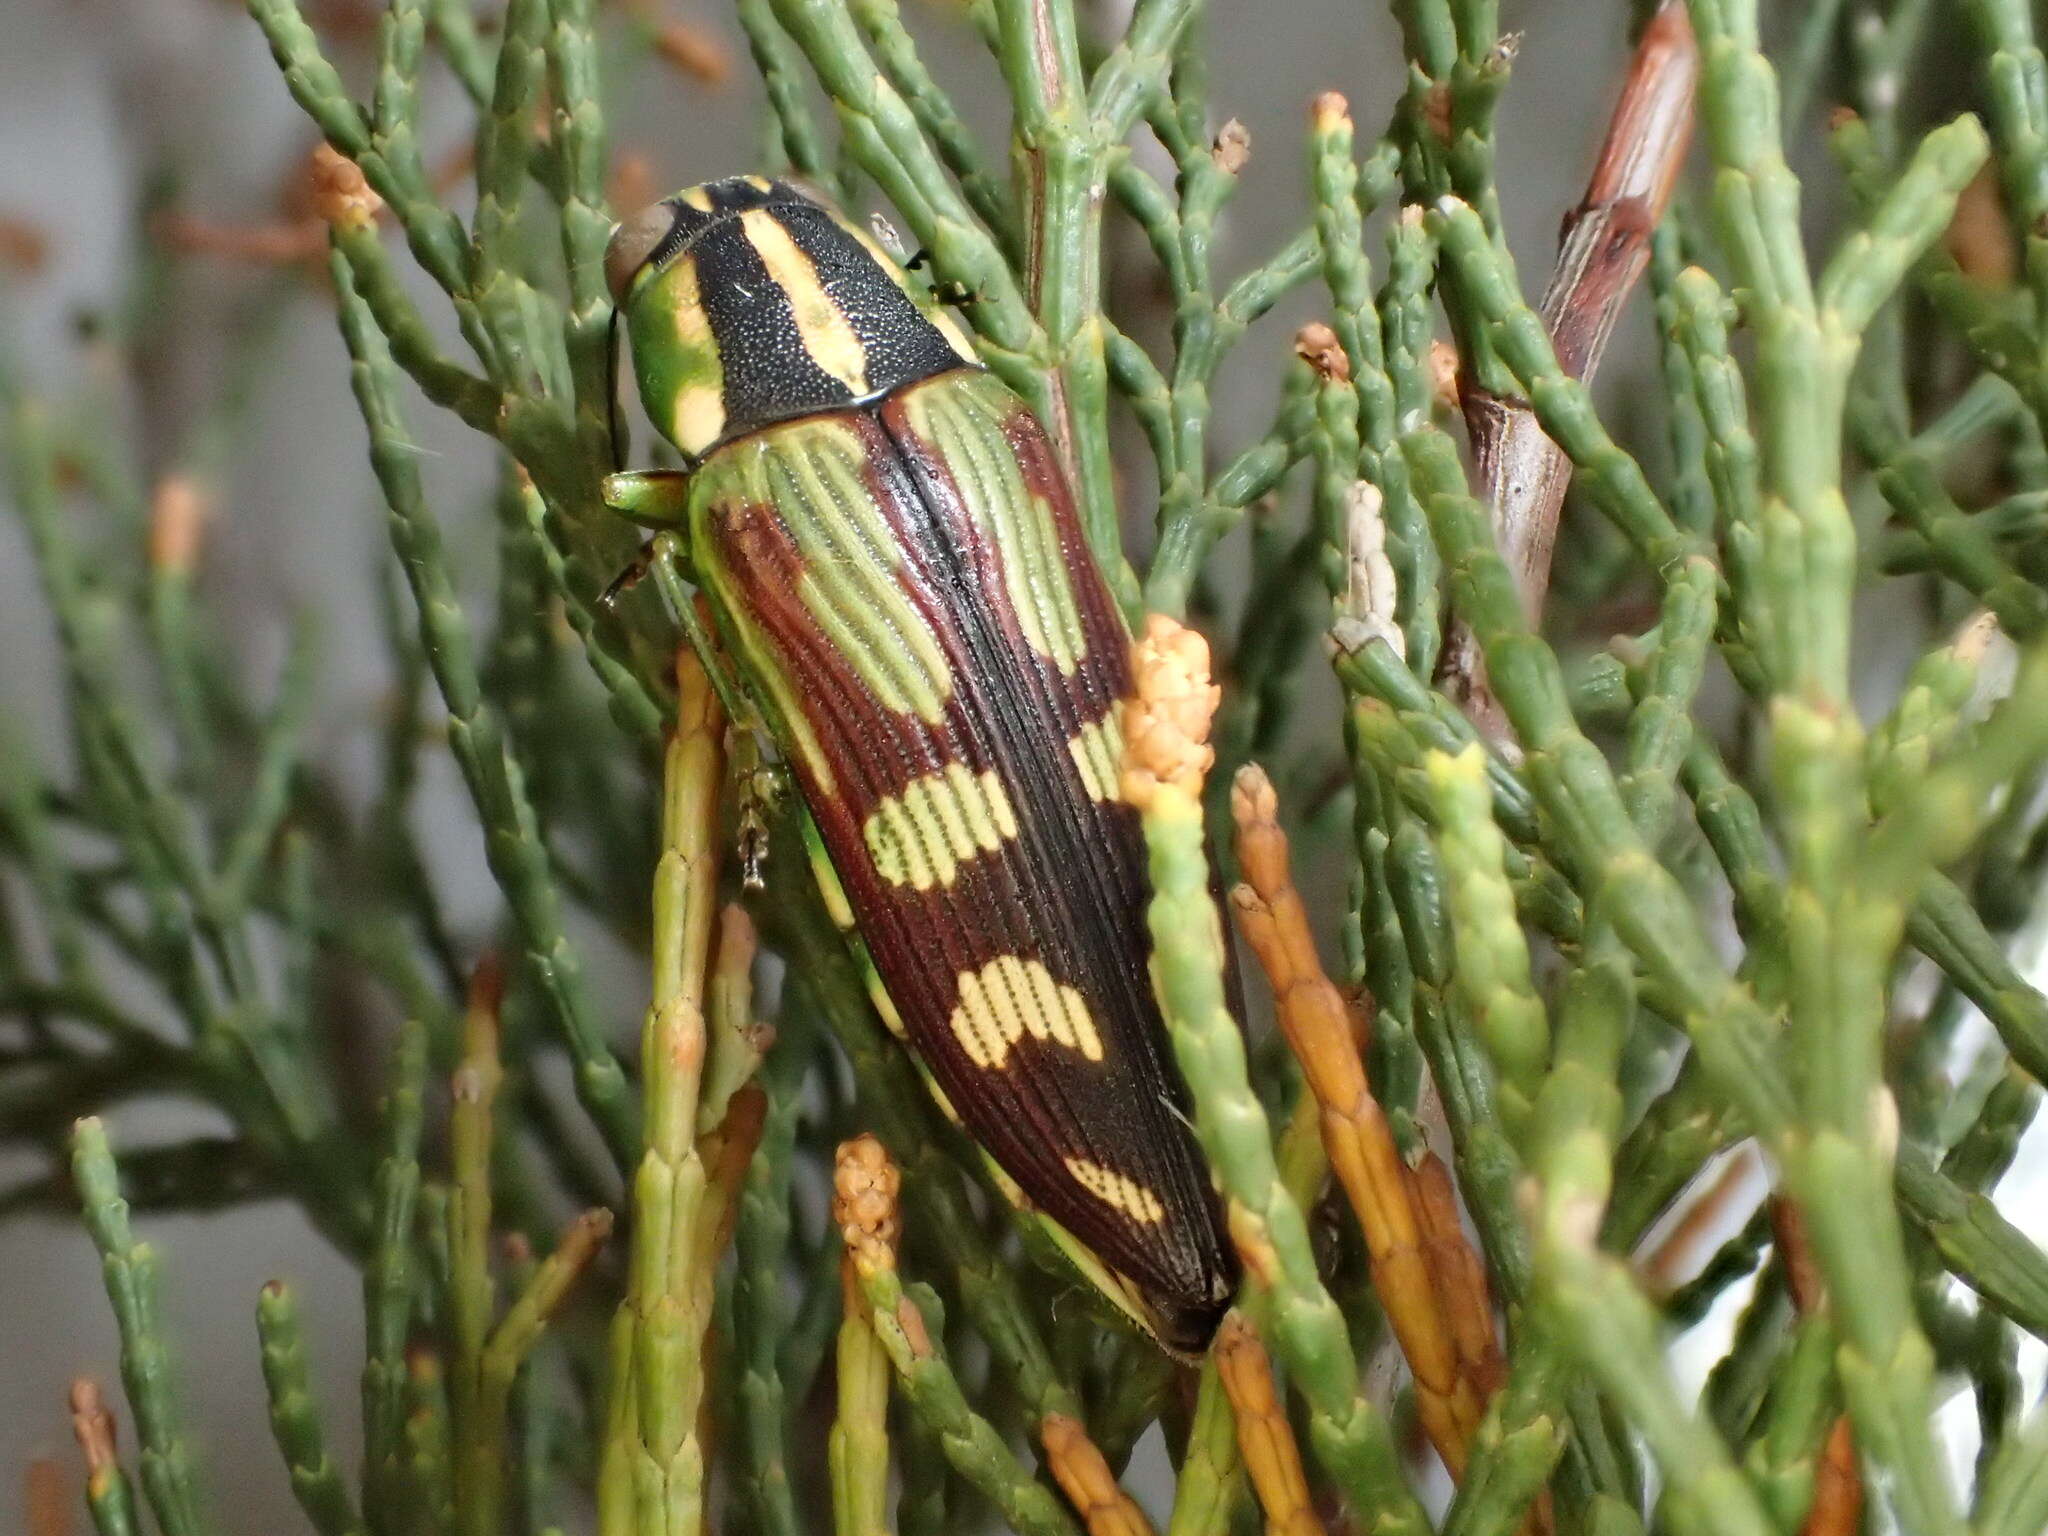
(921, 837)
(827, 334)
(1118, 1191)
(1012, 997)
(1097, 751)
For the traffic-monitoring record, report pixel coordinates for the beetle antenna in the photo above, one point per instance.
(615, 428)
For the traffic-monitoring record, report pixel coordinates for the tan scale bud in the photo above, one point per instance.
(1233, 148)
(1329, 113)
(1317, 345)
(866, 1190)
(93, 1423)
(341, 196)
(179, 509)
(1443, 376)
(1166, 726)
(1979, 236)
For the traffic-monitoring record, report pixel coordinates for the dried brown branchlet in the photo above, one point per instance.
(46, 1501)
(1706, 1213)
(275, 244)
(632, 183)
(693, 51)
(1837, 1508)
(1837, 1486)
(1264, 1437)
(579, 1245)
(1604, 252)
(686, 46)
(478, 1075)
(1455, 1369)
(1979, 237)
(23, 246)
(1078, 1466)
(727, 1152)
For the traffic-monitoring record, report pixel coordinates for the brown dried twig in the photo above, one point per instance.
(1665, 1265)
(107, 1490)
(1424, 1271)
(23, 246)
(686, 46)
(1837, 1508)
(46, 1501)
(1604, 251)
(1264, 1437)
(1078, 1466)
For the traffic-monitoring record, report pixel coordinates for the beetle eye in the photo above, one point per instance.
(632, 243)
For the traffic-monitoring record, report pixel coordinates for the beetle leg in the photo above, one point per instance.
(666, 559)
(657, 498)
(955, 294)
(761, 785)
(634, 573)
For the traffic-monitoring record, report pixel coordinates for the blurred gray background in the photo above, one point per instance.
(94, 97)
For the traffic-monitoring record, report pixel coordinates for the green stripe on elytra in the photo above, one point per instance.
(755, 651)
(964, 425)
(841, 912)
(720, 485)
(814, 481)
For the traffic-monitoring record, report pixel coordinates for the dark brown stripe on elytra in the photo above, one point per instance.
(1115, 852)
(1083, 866)
(922, 941)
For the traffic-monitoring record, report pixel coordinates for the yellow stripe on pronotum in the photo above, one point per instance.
(827, 334)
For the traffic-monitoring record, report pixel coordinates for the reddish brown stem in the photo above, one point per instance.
(46, 1499)
(1604, 249)
(1837, 1508)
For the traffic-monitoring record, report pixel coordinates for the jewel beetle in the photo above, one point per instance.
(897, 574)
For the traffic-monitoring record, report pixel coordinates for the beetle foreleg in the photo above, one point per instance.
(654, 498)
(664, 557)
